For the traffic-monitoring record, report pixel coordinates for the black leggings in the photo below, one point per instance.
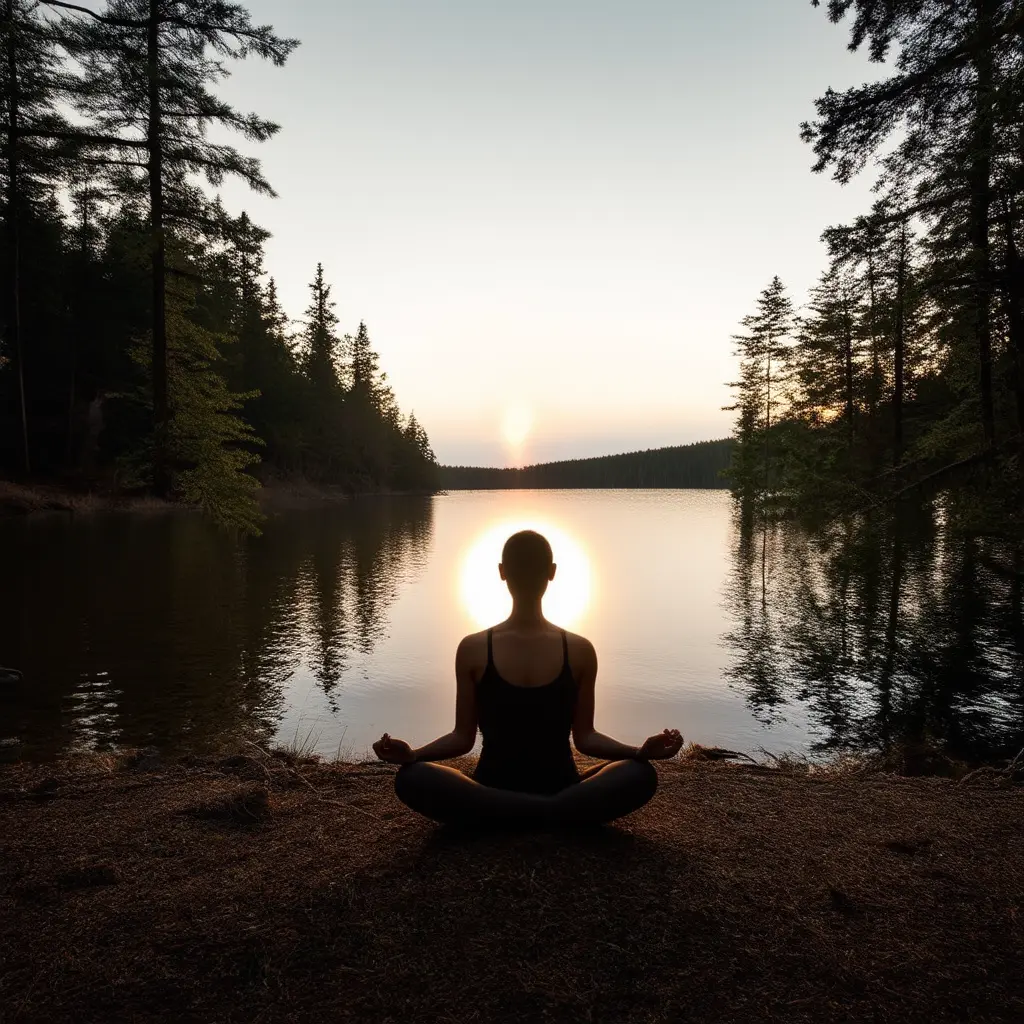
(603, 793)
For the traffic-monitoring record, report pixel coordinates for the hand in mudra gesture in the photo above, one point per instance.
(665, 744)
(392, 750)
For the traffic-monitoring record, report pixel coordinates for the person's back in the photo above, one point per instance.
(525, 711)
(527, 685)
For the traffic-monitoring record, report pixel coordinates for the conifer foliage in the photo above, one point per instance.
(141, 342)
(906, 371)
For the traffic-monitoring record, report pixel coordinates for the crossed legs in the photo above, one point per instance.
(604, 793)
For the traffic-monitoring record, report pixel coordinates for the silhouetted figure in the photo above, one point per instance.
(526, 684)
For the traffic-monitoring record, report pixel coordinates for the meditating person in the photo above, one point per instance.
(526, 684)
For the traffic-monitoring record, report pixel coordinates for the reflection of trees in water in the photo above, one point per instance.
(752, 640)
(887, 629)
(159, 630)
(353, 562)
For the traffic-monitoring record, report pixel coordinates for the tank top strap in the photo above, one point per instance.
(565, 652)
(490, 650)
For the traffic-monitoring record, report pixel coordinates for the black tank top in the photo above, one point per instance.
(526, 730)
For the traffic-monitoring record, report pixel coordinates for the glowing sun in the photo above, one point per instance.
(516, 425)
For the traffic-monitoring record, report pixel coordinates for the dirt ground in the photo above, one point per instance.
(264, 888)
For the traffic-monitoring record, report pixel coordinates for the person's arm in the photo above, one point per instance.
(453, 744)
(587, 739)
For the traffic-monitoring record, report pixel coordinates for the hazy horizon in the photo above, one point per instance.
(551, 217)
(630, 451)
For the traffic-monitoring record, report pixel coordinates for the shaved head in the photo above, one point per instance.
(526, 560)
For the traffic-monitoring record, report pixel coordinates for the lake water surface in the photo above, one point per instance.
(341, 623)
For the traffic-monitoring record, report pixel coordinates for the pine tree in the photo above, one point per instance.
(827, 358)
(157, 350)
(30, 89)
(762, 350)
(321, 344)
(953, 91)
(147, 72)
(364, 369)
(745, 465)
(208, 441)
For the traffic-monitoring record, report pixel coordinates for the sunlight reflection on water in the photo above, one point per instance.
(340, 623)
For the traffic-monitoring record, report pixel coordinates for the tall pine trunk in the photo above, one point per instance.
(980, 180)
(900, 351)
(85, 274)
(161, 405)
(876, 369)
(848, 373)
(768, 421)
(14, 232)
(1014, 285)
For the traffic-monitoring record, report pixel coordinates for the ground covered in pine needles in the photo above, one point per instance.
(265, 888)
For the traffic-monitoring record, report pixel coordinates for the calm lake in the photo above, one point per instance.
(341, 623)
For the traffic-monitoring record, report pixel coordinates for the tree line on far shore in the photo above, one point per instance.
(142, 345)
(692, 465)
(905, 372)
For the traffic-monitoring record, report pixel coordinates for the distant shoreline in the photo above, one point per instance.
(698, 466)
(701, 465)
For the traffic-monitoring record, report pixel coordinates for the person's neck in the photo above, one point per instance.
(526, 614)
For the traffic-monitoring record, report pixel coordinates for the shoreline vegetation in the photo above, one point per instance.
(277, 496)
(258, 884)
(698, 465)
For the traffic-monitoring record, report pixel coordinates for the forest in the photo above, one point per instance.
(903, 377)
(143, 347)
(693, 465)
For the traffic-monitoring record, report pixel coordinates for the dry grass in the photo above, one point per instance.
(21, 499)
(262, 888)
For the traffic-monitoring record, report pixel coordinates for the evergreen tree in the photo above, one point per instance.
(147, 70)
(158, 353)
(763, 351)
(827, 358)
(321, 343)
(953, 91)
(364, 369)
(30, 89)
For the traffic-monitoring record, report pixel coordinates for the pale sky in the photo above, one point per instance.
(549, 212)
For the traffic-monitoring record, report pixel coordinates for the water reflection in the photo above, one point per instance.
(134, 630)
(888, 629)
(341, 623)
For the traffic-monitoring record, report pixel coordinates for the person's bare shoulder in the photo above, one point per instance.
(581, 650)
(471, 653)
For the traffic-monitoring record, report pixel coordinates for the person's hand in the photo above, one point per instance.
(393, 751)
(664, 744)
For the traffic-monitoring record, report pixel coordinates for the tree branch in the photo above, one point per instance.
(119, 22)
(197, 26)
(106, 140)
